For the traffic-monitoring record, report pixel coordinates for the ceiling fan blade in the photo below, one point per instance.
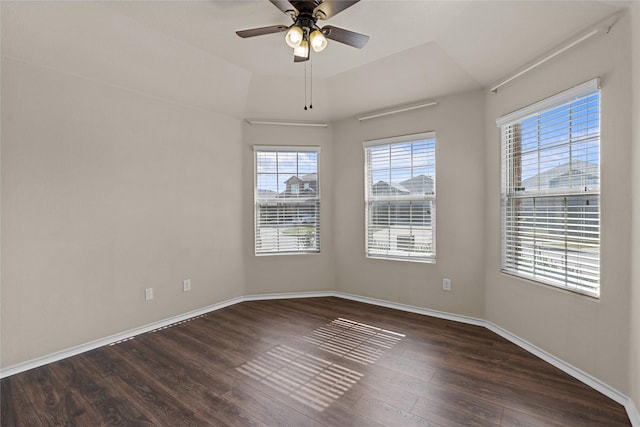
(283, 5)
(347, 37)
(262, 31)
(329, 8)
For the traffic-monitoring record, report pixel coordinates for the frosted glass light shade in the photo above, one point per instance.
(318, 41)
(302, 50)
(294, 36)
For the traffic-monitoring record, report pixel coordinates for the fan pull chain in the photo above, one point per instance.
(305, 86)
(311, 85)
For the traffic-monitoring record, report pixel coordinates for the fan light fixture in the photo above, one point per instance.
(305, 34)
(305, 15)
(299, 39)
(318, 40)
(294, 36)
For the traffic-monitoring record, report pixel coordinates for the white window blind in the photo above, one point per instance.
(287, 200)
(400, 195)
(551, 190)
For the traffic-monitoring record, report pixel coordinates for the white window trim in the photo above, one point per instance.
(287, 148)
(548, 103)
(431, 259)
(284, 149)
(518, 116)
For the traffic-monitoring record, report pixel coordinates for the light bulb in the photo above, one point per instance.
(302, 50)
(294, 36)
(318, 41)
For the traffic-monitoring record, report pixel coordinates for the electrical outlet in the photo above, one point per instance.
(148, 294)
(186, 285)
(446, 284)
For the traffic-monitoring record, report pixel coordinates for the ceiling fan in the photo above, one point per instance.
(304, 32)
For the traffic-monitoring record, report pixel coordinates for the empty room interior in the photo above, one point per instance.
(315, 213)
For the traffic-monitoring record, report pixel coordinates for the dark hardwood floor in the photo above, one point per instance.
(306, 362)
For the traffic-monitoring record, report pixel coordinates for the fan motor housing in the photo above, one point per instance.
(306, 6)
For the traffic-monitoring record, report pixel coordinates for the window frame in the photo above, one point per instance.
(582, 267)
(412, 256)
(294, 200)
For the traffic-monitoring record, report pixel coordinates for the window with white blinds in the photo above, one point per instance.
(551, 190)
(287, 200)
(400, 194)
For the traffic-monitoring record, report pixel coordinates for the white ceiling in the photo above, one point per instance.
(187, 51)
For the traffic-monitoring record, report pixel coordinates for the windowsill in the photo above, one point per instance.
(431, 260)
(554, 286)
(288, 253)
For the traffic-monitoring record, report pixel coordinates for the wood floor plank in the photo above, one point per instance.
(409, 367)
(240, 340)
(449, 415)
(306, 362)
(513, 418)
(379, 376)
(144, 393)
(278, 314)
(520, 397)
(395, 396)
(389, 415)
(439, 396)
(268, 410)
(16, 409)
(250, 325)
(312, 395)
(202, 345)
(88, 386)
(56, 406)
(200, 359)
(184, 383)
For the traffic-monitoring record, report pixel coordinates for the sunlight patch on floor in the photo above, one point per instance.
(355, 341)
(308, 379)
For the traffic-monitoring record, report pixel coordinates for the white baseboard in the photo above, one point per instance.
(412, 309)
(576, 373)
(633, 413)
(73, 351)
(288, 295)
(547, 357)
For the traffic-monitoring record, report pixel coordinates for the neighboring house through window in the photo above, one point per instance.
(400, 197)
(287, 200)
(551, 190)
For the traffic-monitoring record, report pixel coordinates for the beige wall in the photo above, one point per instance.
(458, 123)
(104, 193)
(634, 354)
(288, 273)
(588, 333)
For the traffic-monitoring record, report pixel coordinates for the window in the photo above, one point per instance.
(287, 219)
(400, 197)
(551, 190)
